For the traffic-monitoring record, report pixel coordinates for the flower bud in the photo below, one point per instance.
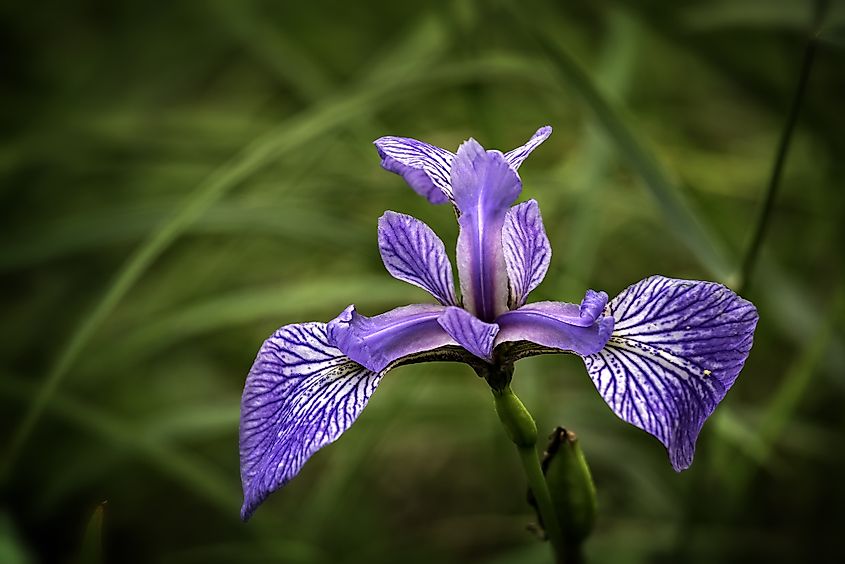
(570, 485)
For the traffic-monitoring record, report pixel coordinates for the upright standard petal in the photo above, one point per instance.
(379, 341)
(412, 252)
(677, 348)
(470, 332)
(527, 250)
(301, 394)
(555, 325)
(519, 154)
(484, 187)
(424, 167)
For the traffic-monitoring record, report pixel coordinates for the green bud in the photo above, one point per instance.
(517, 421)
(570, 485)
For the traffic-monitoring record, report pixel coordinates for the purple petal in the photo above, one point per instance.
(527, 250)
(484, 187)
(300, 395)
(519, 154)
(555, 325)
(424, 167)
(412, 252)
(376, 342)
(470, 332)
(677, 348)
(592, 306)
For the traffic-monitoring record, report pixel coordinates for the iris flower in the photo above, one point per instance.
(662, 354)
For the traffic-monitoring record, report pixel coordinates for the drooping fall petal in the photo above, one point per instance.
(301, 394)
(675, 351)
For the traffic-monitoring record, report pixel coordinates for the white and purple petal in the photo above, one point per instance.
(484, 186)
(555, 325)
(301, 394)
(527, 250)
(424, 167)
(676, 349)
(412, 252)
(470, 332)
(377, 342)
(519, 154)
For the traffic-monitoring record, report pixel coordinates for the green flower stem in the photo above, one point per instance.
(522, 430)
(537, 483)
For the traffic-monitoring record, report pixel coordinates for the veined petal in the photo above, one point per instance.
(412, 252)
(527, 250)
(424, 167)
(300, 395)
(555, 325)
(377, 342)
(484, 187)
(677, 348)
(470, 332)
(519, 154)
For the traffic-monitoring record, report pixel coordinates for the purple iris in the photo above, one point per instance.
(662, 354)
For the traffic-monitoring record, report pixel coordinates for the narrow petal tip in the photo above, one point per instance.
(518, 155)
(424, 167)
(471, 149)
(593, 305)
(344, 334)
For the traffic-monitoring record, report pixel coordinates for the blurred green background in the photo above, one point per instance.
(181, 178)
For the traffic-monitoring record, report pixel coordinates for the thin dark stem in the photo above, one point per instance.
(764, 219)
(700, 481)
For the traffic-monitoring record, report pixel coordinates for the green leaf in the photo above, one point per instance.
(91, 550)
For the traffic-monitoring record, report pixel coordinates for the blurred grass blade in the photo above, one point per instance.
(293, 65)
(93, 231)
(618, 60)
(287, 60)
(12, 550)
(720, 14)
(793, 388)
(284, 304)
(676, 210)
(91, 550)
(290, 135)
(739, 434)
(195, 475)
